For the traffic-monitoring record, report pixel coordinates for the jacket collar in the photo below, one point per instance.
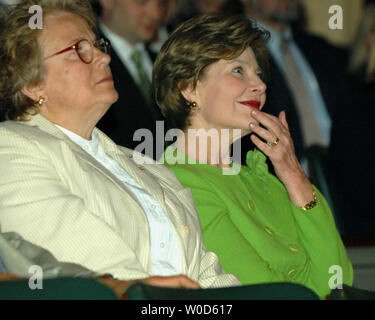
(122, 155)
(47, 126)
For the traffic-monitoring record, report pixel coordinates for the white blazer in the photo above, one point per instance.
(57, 196)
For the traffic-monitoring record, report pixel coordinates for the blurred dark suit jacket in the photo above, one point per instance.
(328, 65)
(352, 159)
(352, 146)
(131, 111)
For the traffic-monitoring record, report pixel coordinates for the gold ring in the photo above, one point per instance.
(275, 143)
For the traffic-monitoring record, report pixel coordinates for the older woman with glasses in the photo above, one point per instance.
(85, 49)
(65, 186)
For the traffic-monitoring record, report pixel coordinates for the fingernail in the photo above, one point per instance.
(252, 125)
(254, 112)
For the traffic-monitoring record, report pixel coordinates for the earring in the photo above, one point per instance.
(193, 106)
(41, 101)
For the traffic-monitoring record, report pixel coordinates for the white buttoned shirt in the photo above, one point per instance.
(166, 253)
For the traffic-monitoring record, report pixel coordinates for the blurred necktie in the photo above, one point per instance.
(145, 83)
(311, 129)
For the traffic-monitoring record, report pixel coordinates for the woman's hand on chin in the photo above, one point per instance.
(278, 146)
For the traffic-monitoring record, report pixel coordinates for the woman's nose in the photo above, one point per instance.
(101, 56)
(258, 86)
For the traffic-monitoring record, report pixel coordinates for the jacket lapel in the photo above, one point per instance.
(139, 172)
(143, 174)
(48, 127)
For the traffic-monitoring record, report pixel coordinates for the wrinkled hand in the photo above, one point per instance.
(180, 281)
(8, 276)
(282, 155)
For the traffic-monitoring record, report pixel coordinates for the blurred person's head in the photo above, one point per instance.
(362, 59)
(273, 12)
(208, 6)
(9, 2)
(171, 9)
(60, 71)
(233, 7)
(217, 62)
(134, 20)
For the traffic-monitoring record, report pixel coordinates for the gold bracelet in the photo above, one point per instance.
(311, 204)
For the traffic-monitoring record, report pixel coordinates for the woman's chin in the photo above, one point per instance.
(113, 96)
(109, 100)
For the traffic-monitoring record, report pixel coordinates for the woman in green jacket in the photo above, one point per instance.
(208, 84)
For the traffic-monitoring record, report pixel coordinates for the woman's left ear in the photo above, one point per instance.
(33, 92)
(187, 90)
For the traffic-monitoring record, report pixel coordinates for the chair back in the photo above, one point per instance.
(56, 289)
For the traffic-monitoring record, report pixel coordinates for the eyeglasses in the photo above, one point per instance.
(84, 49)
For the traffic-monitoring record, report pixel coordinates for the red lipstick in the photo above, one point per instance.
(251, 103)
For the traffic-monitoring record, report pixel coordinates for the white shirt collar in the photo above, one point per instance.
(90, 146)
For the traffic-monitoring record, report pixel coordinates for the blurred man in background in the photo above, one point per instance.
(9, 2)
(128, 24)
(306, 78)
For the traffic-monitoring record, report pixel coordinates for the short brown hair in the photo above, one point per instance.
(193, 46)
(21, 60)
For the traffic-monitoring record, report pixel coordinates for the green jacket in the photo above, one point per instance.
(258, 233)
